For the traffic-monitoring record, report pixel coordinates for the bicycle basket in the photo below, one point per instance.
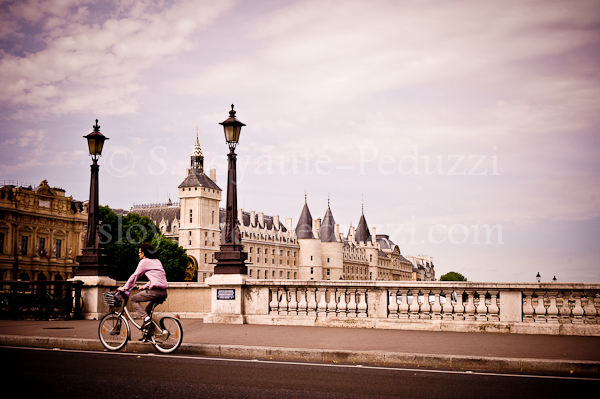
(113, 299)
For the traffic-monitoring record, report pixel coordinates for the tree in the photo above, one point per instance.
(121, 237)
(453, 276)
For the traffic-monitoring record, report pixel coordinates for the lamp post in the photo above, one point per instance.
(538, 277)
(231, 257)
(91, 261)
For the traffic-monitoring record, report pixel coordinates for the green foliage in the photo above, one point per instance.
(121, 237)
(453, 276)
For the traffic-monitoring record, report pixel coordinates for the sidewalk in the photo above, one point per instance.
(548, 354)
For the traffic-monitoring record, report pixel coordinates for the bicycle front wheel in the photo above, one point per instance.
(169, 337)
(113, 331)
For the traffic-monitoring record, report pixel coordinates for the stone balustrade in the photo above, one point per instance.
(450, 306)
(525, 308)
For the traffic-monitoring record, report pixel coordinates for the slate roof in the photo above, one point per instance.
(198, 179)
(267, 220)
(327, 230)
(158, 213)
(385, 242)
(362, 230)
(304, 226)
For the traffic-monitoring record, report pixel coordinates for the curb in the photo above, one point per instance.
(449, 362)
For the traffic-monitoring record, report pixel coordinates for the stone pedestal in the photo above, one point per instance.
(511, 306)
(227, 305)
(91, 292)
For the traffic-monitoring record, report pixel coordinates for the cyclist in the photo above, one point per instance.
(156, 287)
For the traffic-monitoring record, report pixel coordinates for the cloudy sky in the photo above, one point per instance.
(468, 130)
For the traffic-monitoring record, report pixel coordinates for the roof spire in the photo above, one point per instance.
(197, 159)
(363, 203)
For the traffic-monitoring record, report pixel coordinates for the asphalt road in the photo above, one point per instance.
(76, 374)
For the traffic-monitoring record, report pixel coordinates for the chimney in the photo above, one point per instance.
(337, 232)
(353, 238)
(288, 224)
(276, 222)
(213, 175)
(240, 215)
(252, 218)
(373, 234)
(261, 219)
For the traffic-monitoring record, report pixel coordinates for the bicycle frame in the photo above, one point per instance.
(156, 317)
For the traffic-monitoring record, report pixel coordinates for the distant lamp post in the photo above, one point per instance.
(538, 277)
(91, 262)
(554, 280)
(231, 257)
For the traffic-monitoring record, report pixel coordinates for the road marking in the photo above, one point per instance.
(387, 368)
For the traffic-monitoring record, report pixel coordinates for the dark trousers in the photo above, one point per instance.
(149, 296)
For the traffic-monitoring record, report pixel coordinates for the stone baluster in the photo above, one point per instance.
(392, 303)
(470, 307)
(415, 307)
(322, 304)
(302, 305)
(341, 306)
(447, 307)
(459, 307)
(361, 307)
(578, 309)
(425, 306)
(436, 308)
(540, 309)
(352, 303)
(552, 311)
(274, 304)
(283, 302)
(493, 309)
(293, 303)
(312, 301)
(528, 307)
(332, 304)
(565, 309)
(403, 307)
(481, 309)
(590, 308)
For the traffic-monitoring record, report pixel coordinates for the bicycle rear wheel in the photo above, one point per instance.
(169, 337)
(113, 331)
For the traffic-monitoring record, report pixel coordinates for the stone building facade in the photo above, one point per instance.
(313, 250)
(41, 232)
(423, 269)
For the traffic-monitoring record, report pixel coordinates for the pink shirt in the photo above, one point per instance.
(153, 270)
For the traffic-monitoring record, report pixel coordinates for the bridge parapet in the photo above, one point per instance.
(569, 309)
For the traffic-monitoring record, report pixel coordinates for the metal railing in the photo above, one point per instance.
(41, 300)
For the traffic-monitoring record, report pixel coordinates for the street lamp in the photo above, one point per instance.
(91, 261)
(231, 257)
(538, 277)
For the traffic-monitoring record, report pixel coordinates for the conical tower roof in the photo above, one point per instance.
(304, 227)
(362, 230)
(327, 230)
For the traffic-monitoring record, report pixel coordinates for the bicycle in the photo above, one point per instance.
(164, 332)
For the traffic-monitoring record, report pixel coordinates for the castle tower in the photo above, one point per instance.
(199, 232)
(310, 265)
(365, 239)
(332, 249)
